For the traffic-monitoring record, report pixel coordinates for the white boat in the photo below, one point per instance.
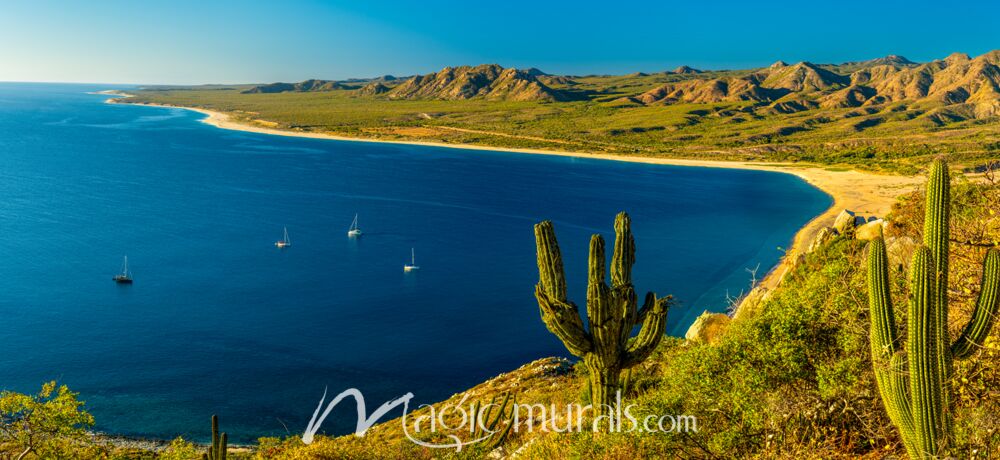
(284, 242)
(354, 230)
(124, 277)
(413, 262)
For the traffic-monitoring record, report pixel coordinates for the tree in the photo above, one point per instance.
(44, 424)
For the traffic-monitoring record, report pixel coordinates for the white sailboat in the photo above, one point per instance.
(354, 231)
(284, 242)
(413, 262)
(124, 277)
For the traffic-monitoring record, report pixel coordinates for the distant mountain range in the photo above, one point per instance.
(970, 87)
(956, 80)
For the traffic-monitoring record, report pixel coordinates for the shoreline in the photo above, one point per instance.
(861, 192)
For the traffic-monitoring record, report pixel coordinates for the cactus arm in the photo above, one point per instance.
(899, 390)
(925, 378)
(649, 336)
(647, 306)
(601, 306)
(625, 300)
(936, 221)
(563, 320)
(890, 368)
(551, 277)
(986, 310)
(560, 316)
(883, 323)
(624, 255)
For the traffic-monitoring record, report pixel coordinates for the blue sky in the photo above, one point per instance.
(190, 42)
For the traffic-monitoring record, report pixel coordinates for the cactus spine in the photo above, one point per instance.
(914, 386)
(606, 347)
(219, 447)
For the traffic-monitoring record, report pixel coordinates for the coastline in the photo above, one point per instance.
(861, 192)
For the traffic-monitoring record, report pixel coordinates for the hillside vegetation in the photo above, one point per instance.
(886, 113)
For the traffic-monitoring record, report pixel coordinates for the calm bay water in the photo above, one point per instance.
(221, 321)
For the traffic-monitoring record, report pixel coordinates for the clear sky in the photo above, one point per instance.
(221, 41)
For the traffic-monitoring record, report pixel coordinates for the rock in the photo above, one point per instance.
(708, 327)
(822, 237)
(845, 222)
(900, 251)
(871, 230)
(751, 302)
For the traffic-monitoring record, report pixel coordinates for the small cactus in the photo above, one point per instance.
(606, 346)
(913, 385)
(219, 448)
(482, 423)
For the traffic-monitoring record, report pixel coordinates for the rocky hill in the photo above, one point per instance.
(489, 81)
(966, 85)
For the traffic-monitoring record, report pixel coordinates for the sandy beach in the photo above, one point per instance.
(864, 193)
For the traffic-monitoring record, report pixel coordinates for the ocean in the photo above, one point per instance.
(220, 321)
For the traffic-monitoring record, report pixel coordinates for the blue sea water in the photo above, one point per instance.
(220, 321)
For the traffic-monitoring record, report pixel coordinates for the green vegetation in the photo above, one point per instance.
(49, 424)
(917, 398)
(605, 346)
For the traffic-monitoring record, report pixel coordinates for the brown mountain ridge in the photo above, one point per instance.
(962, 85)
(958, 80)
(489, 81)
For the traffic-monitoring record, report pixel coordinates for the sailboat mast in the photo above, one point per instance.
(413, 256)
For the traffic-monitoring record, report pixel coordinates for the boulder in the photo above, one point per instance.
(870, 230)
(900, 251)
(844, 222)
(752, 302)
(708, 327)
(822, 237)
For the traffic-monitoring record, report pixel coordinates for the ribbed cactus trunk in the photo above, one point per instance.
(914, 386)
(936, 233)
(925, 378)
(604, 386)
(605, 345)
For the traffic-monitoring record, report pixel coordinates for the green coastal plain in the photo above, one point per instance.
(883, 114)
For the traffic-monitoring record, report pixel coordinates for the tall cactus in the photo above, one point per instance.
(606, 346)
(219, 447)
(917, 400)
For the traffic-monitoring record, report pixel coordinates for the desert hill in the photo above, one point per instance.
(959, 82)
(489, 81)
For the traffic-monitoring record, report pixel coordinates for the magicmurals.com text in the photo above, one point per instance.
(466, 423)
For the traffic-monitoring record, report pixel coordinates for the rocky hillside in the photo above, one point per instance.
(489, 81)
(967, 85)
